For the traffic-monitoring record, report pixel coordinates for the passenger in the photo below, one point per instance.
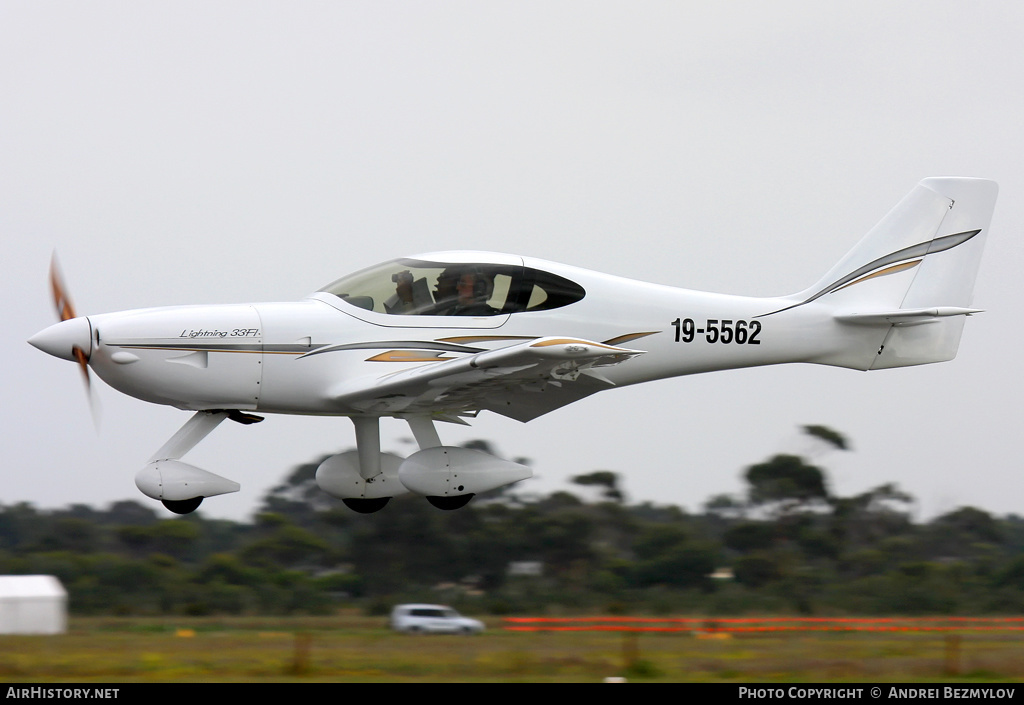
(403, 291)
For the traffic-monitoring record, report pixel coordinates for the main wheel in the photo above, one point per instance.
(183, 506)
(450, 503)
(365, 506)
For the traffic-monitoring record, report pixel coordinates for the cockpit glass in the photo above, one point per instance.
(418, 288)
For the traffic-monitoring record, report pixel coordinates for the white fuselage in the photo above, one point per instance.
(289, 357)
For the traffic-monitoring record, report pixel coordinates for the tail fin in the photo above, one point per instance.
(913, 273)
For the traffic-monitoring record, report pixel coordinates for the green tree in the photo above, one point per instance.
(785, 482)
(667, 555)
(603, 478)
(827, 435)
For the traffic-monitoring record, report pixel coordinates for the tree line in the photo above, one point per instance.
(785, 545)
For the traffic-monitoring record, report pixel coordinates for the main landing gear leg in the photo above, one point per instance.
(423, 431)
(368, 447)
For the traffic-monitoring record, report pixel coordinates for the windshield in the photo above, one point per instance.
(434, 612)
(419, 288)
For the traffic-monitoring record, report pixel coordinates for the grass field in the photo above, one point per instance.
(361, 649)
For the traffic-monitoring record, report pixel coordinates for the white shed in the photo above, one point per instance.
(32, 604)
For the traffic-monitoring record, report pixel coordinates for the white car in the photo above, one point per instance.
(432, 619)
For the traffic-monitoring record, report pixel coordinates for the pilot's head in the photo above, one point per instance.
(472, 287)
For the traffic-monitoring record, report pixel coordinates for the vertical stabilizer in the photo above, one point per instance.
(912, 276)
(944, 279)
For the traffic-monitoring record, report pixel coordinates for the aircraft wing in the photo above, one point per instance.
(521, 381)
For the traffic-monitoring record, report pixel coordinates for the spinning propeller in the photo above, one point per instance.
(71, 339)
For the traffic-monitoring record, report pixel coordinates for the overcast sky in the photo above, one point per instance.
(217, 152)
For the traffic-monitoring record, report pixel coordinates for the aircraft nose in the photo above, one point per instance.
(61, 339)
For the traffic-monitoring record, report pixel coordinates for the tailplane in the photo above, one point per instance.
(912, 276)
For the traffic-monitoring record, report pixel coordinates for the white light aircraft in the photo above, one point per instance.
(444, 336)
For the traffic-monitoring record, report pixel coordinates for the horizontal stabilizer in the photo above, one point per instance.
(905, 316)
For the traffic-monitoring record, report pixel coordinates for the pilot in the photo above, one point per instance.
(473, 289)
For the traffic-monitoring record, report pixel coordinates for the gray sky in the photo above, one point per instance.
(217, 152)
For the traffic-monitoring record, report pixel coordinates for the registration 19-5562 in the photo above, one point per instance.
(724, 331)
